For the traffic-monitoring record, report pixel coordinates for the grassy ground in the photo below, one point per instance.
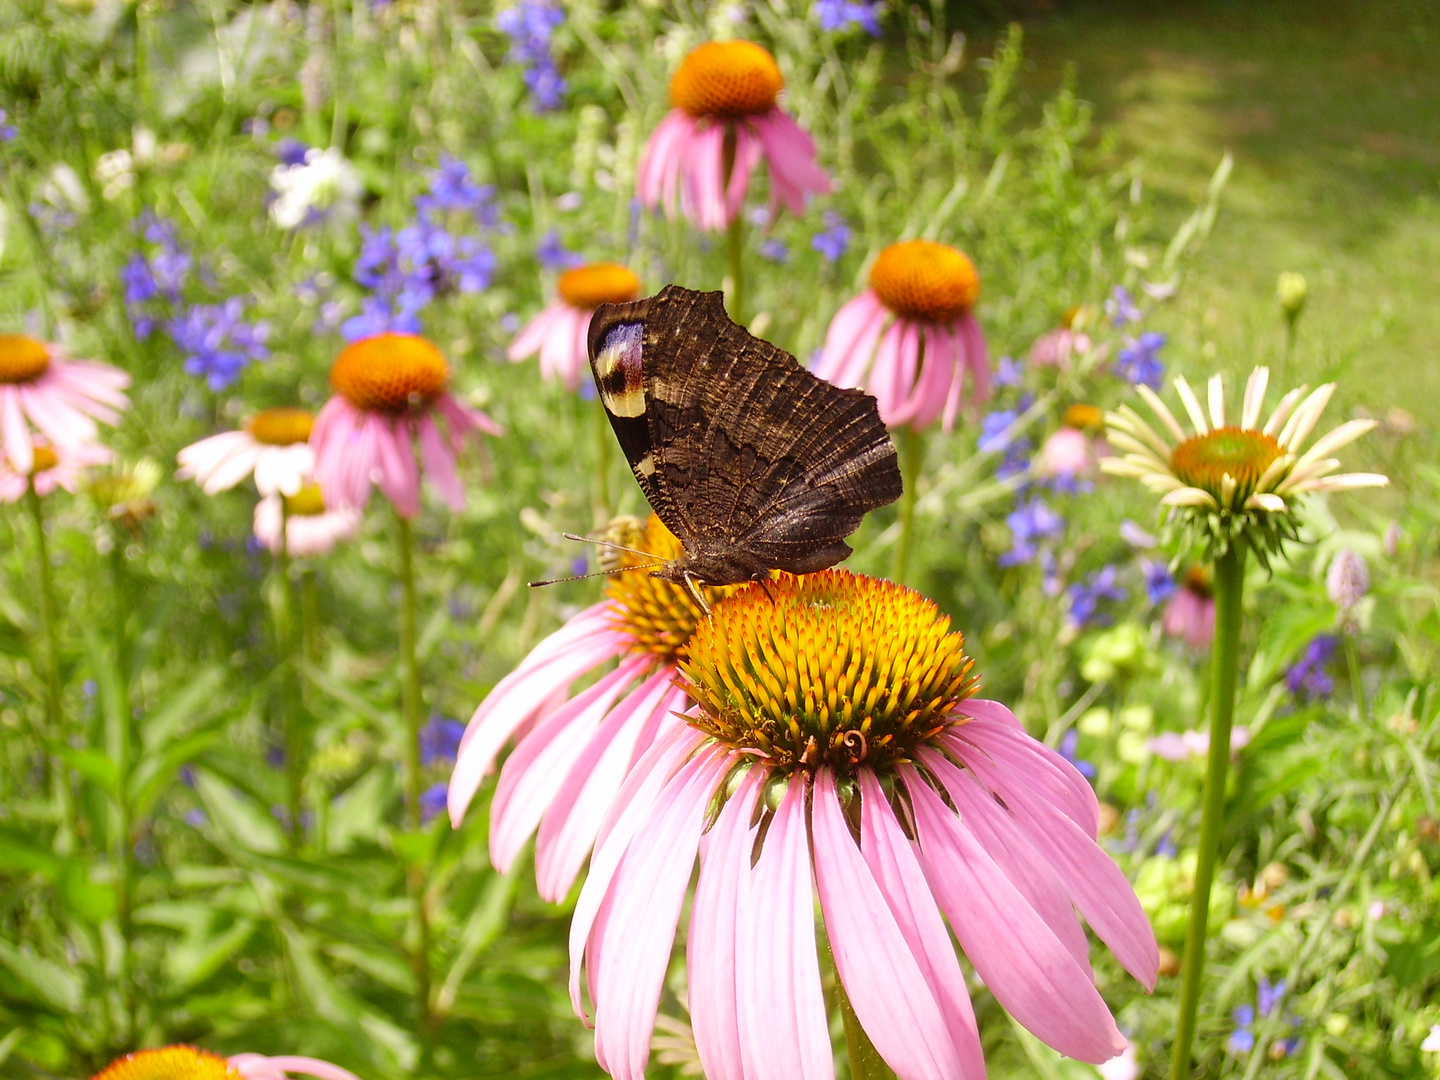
(1332, 110)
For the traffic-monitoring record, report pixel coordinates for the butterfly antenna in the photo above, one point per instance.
(596, 573)
(611, 544)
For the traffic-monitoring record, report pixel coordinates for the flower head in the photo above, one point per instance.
(218, 343)
(529, 26)
(1139, 361)
(1086, 597)
(310, 527)
(1223, 482)
(834, 740)
(559, 333)
(8, 132)
(324, 187)
(1309, 677)
(53, 468)
(392, 392)
(911, 339)
(725, 119)
(842, 15)
(834, 240)
(61, 398)
(576, 749)
(1348, 579)
(273, 446)
(188, 1063)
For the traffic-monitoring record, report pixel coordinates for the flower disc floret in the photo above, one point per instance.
(588, 287)
(22, 358)
(727, 79)
(45, 458)
(281, 427)
(659, 615)
(169, 1063)
(827, 669)
(920, 279)
(390, 373)
(1082, 417)
(1229, 453)
(307, 502)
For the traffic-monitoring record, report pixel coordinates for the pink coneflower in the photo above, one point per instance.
(62, 398)
(1054, 348)
(910, 339)
(1190, 613)
(575, 750)
(188, 1063)
(724, 121)
(559, 332)
(51, 468)
(390, 393)
(273, 446)
(833, 740)
(311, 527)
(1074, 449)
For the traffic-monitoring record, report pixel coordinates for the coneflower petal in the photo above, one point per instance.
(1192, 406)
(1160, 409)
(894, 1003)
(1254, 397)
(1217, 400)
(1343, 435)
(1282, 410)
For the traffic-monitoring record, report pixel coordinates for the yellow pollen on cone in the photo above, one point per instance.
(390, 373)
(829, 668)
(307, 502)
(587, 287)
(45, 459)
(1240, 453)
(659, 615)
(920, 279)
(1084, 418)
(169, 1063)
(280, 427)
(22, 358)
(726, 79)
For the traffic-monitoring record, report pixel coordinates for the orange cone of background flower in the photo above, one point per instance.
(188, 1063)
(560, 331)
(911, 339)
(725, 120)
(61, 398)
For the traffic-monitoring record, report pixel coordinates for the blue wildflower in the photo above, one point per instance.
(153, 281)
(834, 240)
(290, 151)
(1086, 597)
(1308, 677)
(774, 250)
(378, 317)
(1121, 307)
(440, 739)
(1139, 361)
(1008, 372)
(1030, 523)
(1268, 996)
(842, 15)
(1242, 1039)
(993, 428)
(1068, 743)
(432, 802)
(218, 343)
(196, 818)
(552, 253)
(8, 132)
(529, 25)
(452, 188)
(1159, 585)
(1165, 846)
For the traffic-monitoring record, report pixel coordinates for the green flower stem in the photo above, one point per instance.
(125, 763)
(735, 252)
(600, 491)
(1224, 673)
(410, 703)
(912, 458)
(865, 1060)
(54, 692)
(290, 718)
(1357, 687)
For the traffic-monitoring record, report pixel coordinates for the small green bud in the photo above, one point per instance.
(1291, 290)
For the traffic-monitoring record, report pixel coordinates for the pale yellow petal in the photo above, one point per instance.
(1115, 466)
(1162, 411)
(1312, 471)
(1264, 500)
(1298, 429)
(1141, 430)
(1273, 473)
(1189, 496)
(1347, 482)
(1217, 400)
(1227, 490)
(1282, 410)
(1121, 441)
(1192, 405)
(1343, 435)
(1254, 397)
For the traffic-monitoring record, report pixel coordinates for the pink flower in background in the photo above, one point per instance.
(910, 339)
(574, 751)
(282, 1067)
(177, 1062)
(725, 120)
(273, 446)
(390, 394)
(1054, 348)
(51, 468)
(559, 332)
(1190, 613)
(61, 398)
(312, 528)
(1179, 745)
(790, 772)
(1075, 448)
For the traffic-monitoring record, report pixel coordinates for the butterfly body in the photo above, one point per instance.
(750, 460)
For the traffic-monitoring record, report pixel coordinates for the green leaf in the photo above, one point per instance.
(89, 900)
(19, 856)
(1287, 629)
(359, 812)
(91, 764)
(193, 960)
(193, 703)
(53, 985)
(154, 774)
(237, 816)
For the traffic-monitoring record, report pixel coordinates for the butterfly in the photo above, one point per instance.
(751, 461)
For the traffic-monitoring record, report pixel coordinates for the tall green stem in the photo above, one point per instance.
(415, 876)
(291, 734)
(1224, 672)
(865, 1061)
(125, 763)
(735, 253)
(54, 692)
(912, 457)
(600, 508)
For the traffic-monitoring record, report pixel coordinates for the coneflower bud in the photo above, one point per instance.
(1348, 579)
(1292, 290)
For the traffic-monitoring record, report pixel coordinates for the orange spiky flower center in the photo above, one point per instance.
(45, 459)
(169, 1063)
(1242, 454)
(307, 502)
(726, 79)
(22, 358)
(919, 279)
(587, 287)
(830, 668)
(1082, 417)
(660, 616)
(390, 373)
(280, 427)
